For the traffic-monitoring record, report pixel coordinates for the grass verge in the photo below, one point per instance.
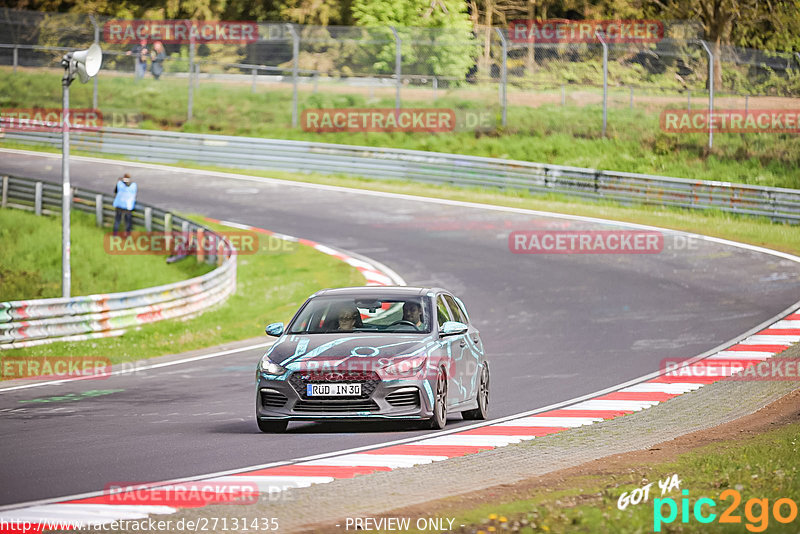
(759, 467)
(566, 135)
(30, 265)
(270, 287)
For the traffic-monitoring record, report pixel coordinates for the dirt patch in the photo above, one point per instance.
(781, 412)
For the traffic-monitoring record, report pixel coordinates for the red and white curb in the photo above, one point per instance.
(218, 488)
(376, 273)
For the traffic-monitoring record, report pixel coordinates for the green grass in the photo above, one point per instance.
(761, 467)
(549, 133)
(30, 265)
(270, 287)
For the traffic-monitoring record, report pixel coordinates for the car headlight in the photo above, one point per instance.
(271, 368)
(403, 369)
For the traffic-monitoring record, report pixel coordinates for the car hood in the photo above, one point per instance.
(353, 352)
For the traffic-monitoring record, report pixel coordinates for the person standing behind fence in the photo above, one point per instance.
(141, 54)
(157, 57)
(124, 202)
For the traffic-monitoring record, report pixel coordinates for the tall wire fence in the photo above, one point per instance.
(415, 67)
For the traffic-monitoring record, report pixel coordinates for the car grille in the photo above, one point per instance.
(272, 399)
(369, 380)
(404, 398)
(336, 406)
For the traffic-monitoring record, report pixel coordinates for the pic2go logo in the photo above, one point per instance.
(757, 521)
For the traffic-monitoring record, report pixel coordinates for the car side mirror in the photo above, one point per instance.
(274, 329)
(452, 328)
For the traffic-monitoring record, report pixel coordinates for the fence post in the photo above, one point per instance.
(599, 36)
(435, 87)
(504, 74)
(98, 210)
(710, 93)
(148, 219)
(97, 41)
(398, 69)
(16, 58)
(190, 105)
(37, 199)
(295, 64)
(201, 257)
(4, 198)
(167, 222)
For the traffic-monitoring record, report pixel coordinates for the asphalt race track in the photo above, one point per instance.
(555, 326)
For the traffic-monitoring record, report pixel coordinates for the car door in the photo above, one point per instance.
(450, 349)
(465, 360)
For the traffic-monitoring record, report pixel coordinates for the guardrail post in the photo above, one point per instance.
(185, 227)
(504, 73)
(16, 58)
(253, 85)
(98, 210)
(4, 199)
(316, 81)
(37, 199)
(220, 252)
(398, 68)
(167, 222)
(148, 219)
(746, 102)
(435, 87)
(201, 256)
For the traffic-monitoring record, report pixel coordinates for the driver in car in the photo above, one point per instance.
(412, 312)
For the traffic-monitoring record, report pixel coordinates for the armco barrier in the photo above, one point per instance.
(779, 204)
(26, 323)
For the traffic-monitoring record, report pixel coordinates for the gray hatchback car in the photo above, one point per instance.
(367, 353)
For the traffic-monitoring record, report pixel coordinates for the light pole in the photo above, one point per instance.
(86, 63)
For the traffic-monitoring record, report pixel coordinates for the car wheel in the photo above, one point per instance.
(483, 398)
(439, 419)
(272, 426)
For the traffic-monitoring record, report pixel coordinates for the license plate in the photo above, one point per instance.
(333, 390)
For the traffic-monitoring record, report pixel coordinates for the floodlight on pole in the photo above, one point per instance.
(85, 63)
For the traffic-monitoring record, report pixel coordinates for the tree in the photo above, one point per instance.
(436, 35)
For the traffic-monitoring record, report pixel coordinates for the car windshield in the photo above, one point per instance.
(323, 315)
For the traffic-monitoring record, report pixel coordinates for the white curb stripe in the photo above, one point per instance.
(662, 387)
(536, 421)
(594, 404)
(376, 460)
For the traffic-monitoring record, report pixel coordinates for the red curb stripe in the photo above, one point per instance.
(792, 317)
(513, 431)
(664, 379)
(639, 395)
(760, 348)
(431, 450)
(780, 332)
(335, 471)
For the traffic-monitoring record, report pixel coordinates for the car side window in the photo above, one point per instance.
(457, 315)
(441, 311)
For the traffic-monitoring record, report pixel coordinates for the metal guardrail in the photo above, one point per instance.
(25, 323)
(779, 204)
